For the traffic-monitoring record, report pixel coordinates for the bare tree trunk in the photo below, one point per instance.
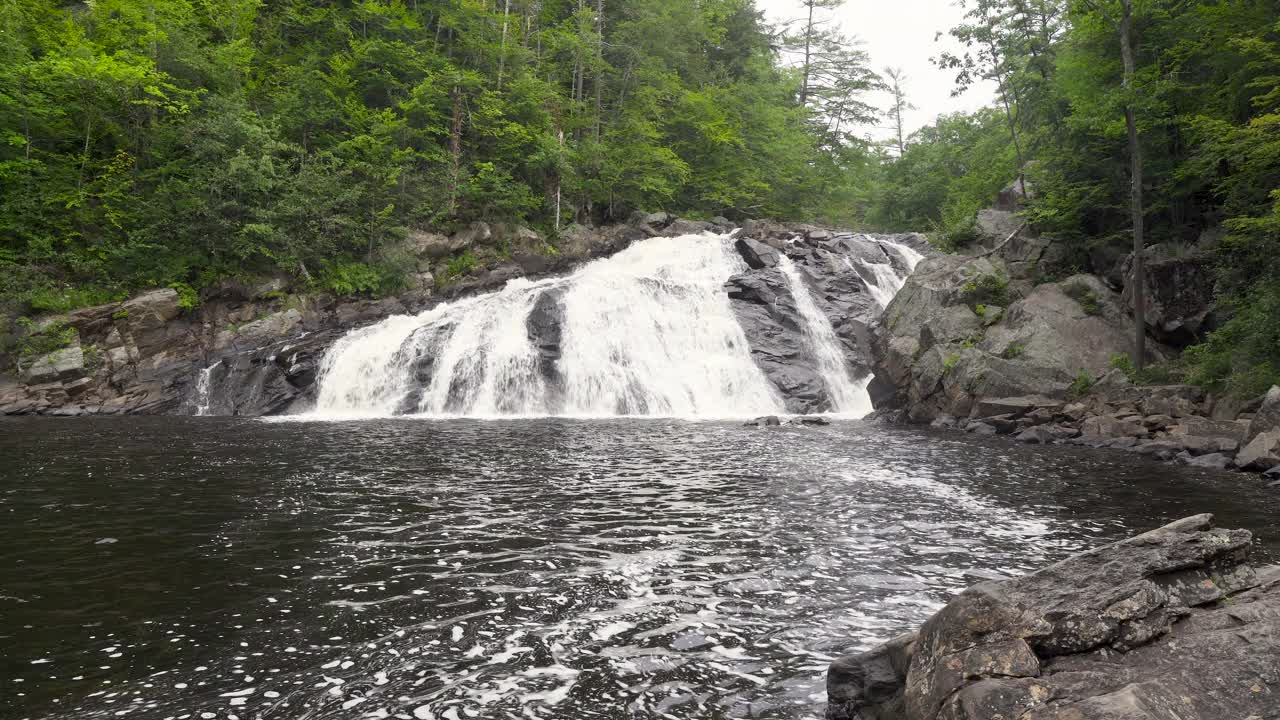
(455, 149)
(1135, 189)
(599, 80)
(1009, 116)
(502, 55)
(808, 43)
(560, 137)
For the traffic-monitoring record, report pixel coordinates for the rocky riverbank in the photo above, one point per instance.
(255, 348)
(1174, 623)
(989, 343)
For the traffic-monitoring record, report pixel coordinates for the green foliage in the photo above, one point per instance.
(35, 341)
(1081, 385)
(1013, 351)
(188, 298)
(950, 361)
(460, 265)
(986, 288)
(174, 143)
(354, 278)
(1124, 363)
(1083, 295)
(92, 357)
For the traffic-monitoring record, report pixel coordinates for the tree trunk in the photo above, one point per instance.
(455, 149)
(599, 73)
(1135, 188)
(502, 54)
(808, 43)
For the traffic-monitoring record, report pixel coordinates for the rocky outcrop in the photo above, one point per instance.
(254, 347)
(958, 332)
(1179, 292)
(838, 270)
(1174, 623)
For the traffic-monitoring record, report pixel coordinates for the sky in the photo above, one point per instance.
(900, 33)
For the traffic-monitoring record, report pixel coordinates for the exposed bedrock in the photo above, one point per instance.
(1174, 623)
(841, 271)
(257, 347)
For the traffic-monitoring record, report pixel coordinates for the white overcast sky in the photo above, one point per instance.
(900, 33)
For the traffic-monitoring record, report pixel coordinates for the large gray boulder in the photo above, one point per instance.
(1179, 293)
(1267, 418)
(939, 351)
(1173, 623)
(67, 363)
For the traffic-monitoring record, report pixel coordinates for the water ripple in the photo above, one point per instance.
(217, 568)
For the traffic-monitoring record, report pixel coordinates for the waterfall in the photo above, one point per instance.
(649, 331)
(847, 395)
(908, 254)
(886, 283)
(204, 382)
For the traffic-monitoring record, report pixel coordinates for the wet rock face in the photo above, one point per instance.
(766, 310)
(1171, 623)
(148, 354)
(836, 269)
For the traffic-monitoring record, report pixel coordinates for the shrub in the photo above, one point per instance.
(950, 361)
(1081, 385)
(460, 265)
(1085, 296)
(34, 343)
(188, 298)
(1124, 363)
(987, 289)
(1013, 351)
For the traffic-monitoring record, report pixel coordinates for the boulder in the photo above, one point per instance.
(1261, 453)
(1267, 417)
(57, 365)
(1046, 434)
(1016, 406)
(150, 310)
(431, 246)
(1179, 295)
(1136, 630)
(981, 428)
(756, 254)
(1212, 461)
(995, 226)
(766, 310)
(1160, 449)
(680, 227)
(1110, 426)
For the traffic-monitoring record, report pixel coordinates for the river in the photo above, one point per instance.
(555, 568)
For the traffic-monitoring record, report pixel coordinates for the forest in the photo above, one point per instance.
(179, 142)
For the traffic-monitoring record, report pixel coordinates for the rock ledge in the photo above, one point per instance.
(1173, 623)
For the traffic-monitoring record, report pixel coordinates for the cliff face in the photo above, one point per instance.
(1171, 623)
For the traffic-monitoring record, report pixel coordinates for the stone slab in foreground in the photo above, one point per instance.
(1171, 624)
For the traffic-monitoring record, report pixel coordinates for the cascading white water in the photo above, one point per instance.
(887, 281)
(203, 389)
(649, 331)
(908, 255)
(847, 395)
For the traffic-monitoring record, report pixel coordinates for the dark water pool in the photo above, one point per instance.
(220, 568)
